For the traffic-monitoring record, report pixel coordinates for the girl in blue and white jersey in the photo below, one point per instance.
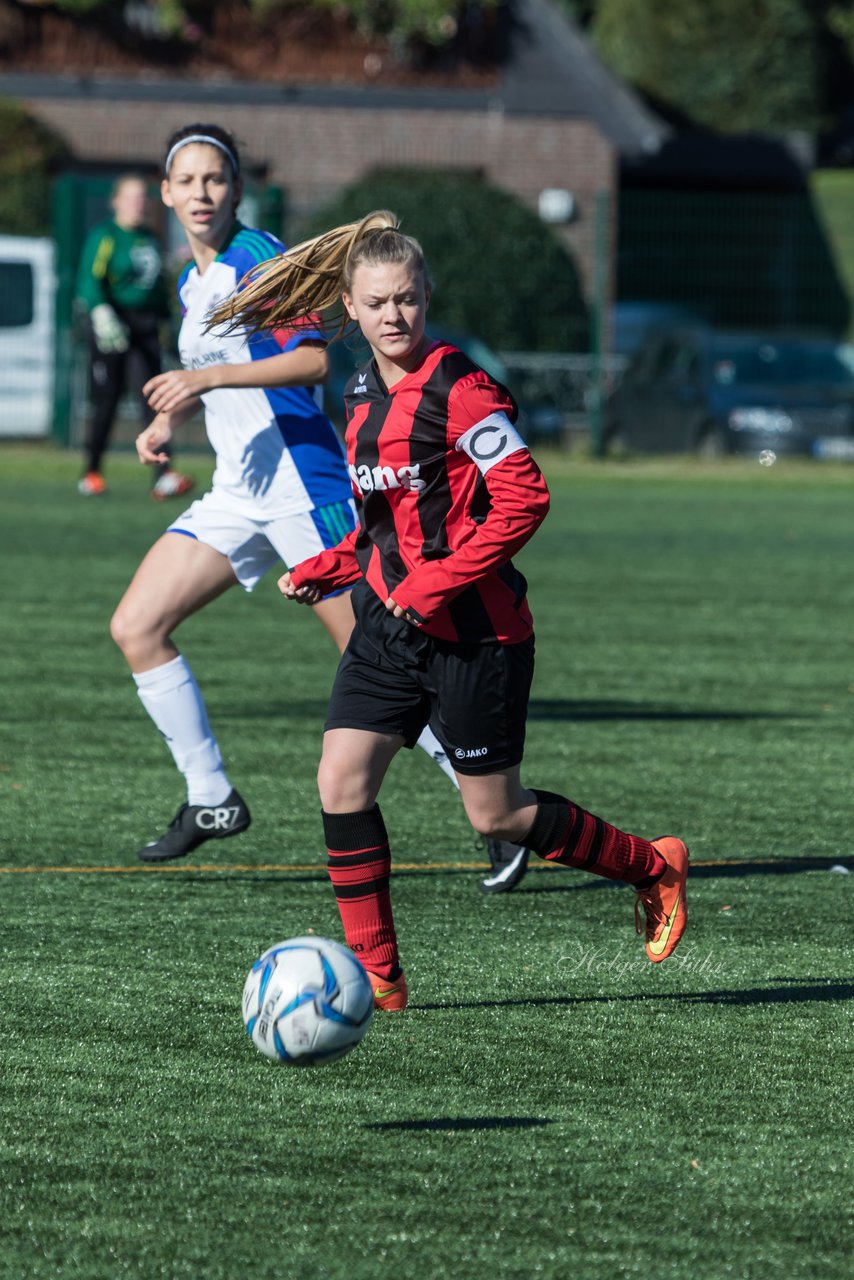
(280, 488)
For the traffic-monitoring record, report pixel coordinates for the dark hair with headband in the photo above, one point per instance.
(212, 134)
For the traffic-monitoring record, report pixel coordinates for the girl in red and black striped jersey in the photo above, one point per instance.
(446, 493)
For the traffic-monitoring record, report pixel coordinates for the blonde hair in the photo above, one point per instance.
(311, 276)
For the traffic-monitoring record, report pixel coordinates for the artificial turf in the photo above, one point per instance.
(551, 1104)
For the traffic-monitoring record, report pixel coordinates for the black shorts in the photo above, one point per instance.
(394, 679)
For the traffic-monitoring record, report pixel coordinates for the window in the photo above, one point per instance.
(16, 295)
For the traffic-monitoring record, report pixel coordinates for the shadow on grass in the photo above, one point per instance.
(556, 881)
(456, 1124)
(832, 989)
(556, 709)
(767, 867)
(620, 709)
(709, 870)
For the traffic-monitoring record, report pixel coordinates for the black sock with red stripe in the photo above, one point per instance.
(359, 868)
(561, 832)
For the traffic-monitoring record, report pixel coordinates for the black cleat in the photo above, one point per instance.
(509, 864)
(193, 824)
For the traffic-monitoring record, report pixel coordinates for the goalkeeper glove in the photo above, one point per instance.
(111, 336)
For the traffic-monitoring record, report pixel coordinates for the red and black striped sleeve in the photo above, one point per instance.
(482, 436)
(332, 569)
(519, 504)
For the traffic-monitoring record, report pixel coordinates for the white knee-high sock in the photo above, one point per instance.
(430, 743)
(172, 698)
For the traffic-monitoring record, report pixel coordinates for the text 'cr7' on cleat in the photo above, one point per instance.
(193, 824)
(509, 864)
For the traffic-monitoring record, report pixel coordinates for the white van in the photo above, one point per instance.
(27, 335)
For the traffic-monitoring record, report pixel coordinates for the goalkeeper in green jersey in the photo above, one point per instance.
(120, 287)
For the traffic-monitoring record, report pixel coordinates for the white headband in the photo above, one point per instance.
(211, 142)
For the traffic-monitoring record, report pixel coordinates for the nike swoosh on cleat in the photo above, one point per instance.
(389, 991)
(506, 872)
(664, 937)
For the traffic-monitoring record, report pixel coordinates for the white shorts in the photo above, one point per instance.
(255, 546)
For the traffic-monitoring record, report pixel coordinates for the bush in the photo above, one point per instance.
(28, 154)
(498, 271)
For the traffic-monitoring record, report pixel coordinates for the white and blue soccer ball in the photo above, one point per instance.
(307, 1001)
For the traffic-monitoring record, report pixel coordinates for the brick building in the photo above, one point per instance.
(555, 121)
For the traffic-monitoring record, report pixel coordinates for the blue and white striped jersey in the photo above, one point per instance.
(277, 452)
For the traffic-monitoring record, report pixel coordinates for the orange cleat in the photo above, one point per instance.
(665, 905)
(391, 994)
(172, 484)
(92, 485)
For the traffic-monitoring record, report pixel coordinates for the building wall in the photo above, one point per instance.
(314, 151)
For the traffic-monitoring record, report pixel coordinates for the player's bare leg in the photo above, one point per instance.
(352, 767)
(177, 577)
(336, 615)
(561, 832)
(497, 806)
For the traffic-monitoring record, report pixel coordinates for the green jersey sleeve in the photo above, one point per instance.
(92, 273)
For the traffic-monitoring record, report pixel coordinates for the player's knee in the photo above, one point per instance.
(488, 822)
(342, 788)
(120, 629)
(132, 633)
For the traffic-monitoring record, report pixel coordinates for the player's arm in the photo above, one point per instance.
(519, 500)
(481, 431)
(93, 294)
(92, 270)
(152, 439)
(303, 366)
(329, 570)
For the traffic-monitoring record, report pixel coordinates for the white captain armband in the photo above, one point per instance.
(490, 441)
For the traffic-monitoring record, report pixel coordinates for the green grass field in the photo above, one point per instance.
(551, 1105)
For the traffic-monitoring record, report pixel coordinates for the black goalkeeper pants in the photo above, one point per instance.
(115, 372)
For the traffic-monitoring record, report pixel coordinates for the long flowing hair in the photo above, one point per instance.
(310, 278)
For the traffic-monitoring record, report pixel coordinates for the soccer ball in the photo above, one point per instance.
(307, 1001)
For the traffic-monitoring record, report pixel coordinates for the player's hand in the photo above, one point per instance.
(175, 389)
(308, 593)
(150, 442)
(398, 611)
(111, 336)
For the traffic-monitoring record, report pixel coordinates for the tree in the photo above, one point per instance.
(725, 64)
(840, 21)
(499, 272)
